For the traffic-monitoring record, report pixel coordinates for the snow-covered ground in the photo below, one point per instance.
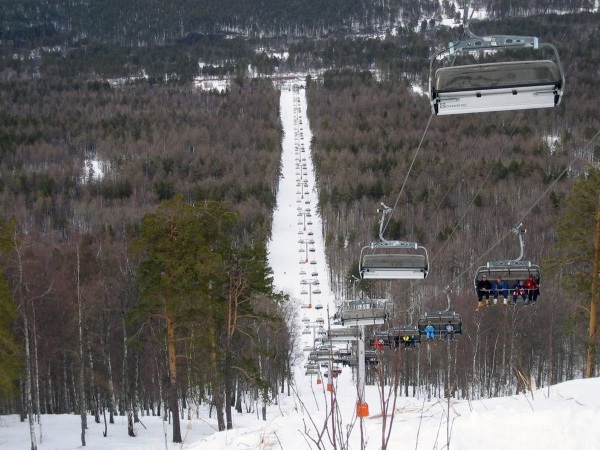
(562, 417)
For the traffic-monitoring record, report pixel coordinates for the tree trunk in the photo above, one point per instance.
(95, 396)
(28, 380)
(36, 375)
(50, 407)
(82, 411)
(171, 349)
(591, 349)
(228, 391)
(28, 394)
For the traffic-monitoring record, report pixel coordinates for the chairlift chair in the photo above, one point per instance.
(370, 357)
(510, 270)
(439, 320)
(406, 330)
(499, 86)
(364, 312)
(347, 335)
(380, 340)
(394, 263)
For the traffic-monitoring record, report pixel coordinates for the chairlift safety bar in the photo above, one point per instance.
(509, 264)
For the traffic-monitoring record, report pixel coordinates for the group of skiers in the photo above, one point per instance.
(528, 290)
(447, 334)
(409, 341)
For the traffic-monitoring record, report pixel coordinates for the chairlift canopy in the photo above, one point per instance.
(491, 87)
(498, 86)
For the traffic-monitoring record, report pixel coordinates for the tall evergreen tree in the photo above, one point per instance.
(181, 248)
(578, 233)
(10, 354)
(249, 283)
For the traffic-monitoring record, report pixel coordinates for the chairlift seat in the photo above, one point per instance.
(510, 271)
(380, 340)
(344, 334)
(407, 330)
(411, 331)
(394, 266)
(358, 312)
(503, 86)
(439, 320)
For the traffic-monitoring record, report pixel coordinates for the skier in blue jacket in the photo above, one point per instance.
(429, 330)
(500, 287)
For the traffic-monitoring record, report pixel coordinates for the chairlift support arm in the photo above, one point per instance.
(447, 292)
(384, 243)
(520, 231)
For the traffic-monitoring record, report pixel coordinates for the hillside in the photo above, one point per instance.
(99, 131)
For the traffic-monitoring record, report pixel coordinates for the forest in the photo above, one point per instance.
(135, 216)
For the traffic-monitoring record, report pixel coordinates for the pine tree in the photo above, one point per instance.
(10, 352)
(578, 234)
(181, 247)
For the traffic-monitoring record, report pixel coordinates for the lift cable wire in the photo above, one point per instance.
(412, 163)
(465, 27)
(456, 178)
(481, 186)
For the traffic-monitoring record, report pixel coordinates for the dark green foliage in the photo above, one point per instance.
(116, 190)
(182, 247)
(445, 234)
(554, 199)
(576, 233)
(164, 190)
(395, 229)
(10, 350)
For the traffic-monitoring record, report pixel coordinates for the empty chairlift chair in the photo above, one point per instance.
(393, 260)
(364, 312)
(498, 86)
(394, 266)
(343, 335)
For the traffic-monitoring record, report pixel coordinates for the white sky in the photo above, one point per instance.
(562, 417)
